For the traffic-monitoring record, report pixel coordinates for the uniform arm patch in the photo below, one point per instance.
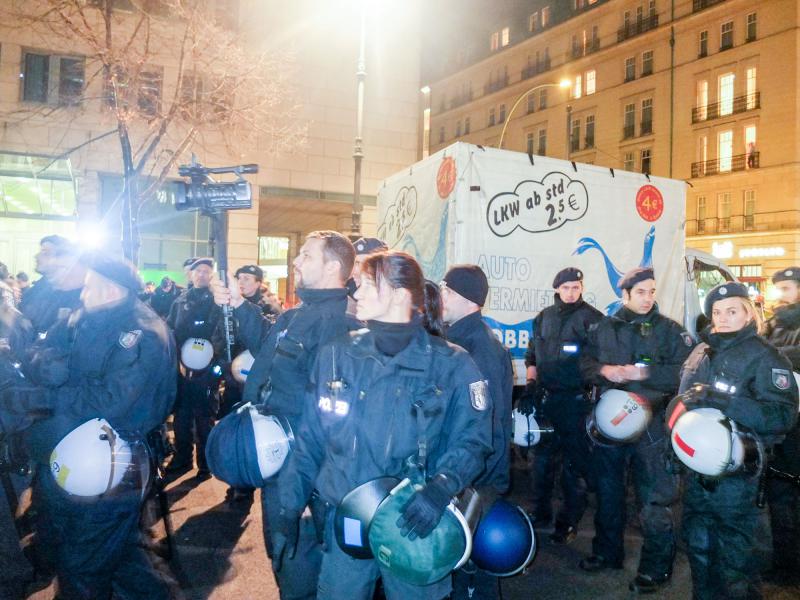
(780, 379)
(478, 395)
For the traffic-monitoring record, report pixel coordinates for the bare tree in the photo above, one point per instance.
(166, 76)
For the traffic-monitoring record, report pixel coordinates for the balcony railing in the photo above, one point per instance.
(698, 5)
(739, 162)
(460, 100)
(740, 104)
(646, 127)
(535, 69)
(630, 30)
(765, 221)
(628, 131)
(583, 50)
(496, 84)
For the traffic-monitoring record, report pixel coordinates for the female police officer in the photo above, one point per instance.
(362, 423)
(746, 378)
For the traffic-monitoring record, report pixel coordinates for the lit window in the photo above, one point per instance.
(545, 16)
(504, 33)
(577, 88)
(701, 214)
(702, 100)
(725, 95)
(752, 89)
(494, 41)
(749, 208)
(590, 82)
(725, 150)
(533, 22)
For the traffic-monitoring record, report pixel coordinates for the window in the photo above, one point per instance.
(750, 146)
(589, 140)
(577, 87)
(533, 22)
(702, 100)
(749, 209)
(441, 135)
(458, 128)
(702, 153)
(647, 116)
(595, 44)
(647, 63)
(504, 33)
(726, 36)
(590, 82)
(491, 117)
(724, 210)
(645, 160)
(752, 89)
(725, 150)
(630, 68)
(52, 79)
(627, 161)
(751, 27)
(651, 8)
(494, 41)
(725, 94)
(701, 214)
(531, 103)
(629, 121)
(150, 84)
(529, 144)
(703, 50)
(466, 125)
(545, 17)
(501, 116)
(575, 136)
(542, 150)
(626, 20)
(542, 98)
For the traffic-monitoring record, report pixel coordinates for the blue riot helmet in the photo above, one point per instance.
(504, 543)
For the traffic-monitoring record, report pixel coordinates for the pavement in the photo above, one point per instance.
(220, 554)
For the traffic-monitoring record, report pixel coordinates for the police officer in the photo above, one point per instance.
(284, 354)
(463, 291)
(58, 292)
(195, 316)
(640, 351)
(783, 332)
(112, 359)
(556, 386)
(367, 391)
(751, 383)
(163, 297)
(250, 279)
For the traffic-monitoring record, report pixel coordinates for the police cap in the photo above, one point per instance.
(565, 275)
(788, 274)
(251, 270)
(118, 270)
(729, 289)
(202, 261)
(189, 262)
(634, 276)
(368, 245)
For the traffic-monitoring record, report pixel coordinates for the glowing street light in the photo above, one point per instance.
(563, 84)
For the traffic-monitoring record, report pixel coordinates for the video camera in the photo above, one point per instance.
(208, 196)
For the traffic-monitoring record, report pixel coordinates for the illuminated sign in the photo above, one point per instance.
(761, 252)
(722, 249)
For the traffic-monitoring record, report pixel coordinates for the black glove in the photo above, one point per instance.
(285, 533)
(531, 399)
(702, 395)
(423, 511)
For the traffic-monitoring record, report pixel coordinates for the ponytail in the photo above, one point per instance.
(432, 310)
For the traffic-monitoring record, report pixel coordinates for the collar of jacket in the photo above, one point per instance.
(728, 339)
(461, 329)
(564, 308)
(118, 314)
(627, 315)
(788, 316)
(414, 359)
(309, 296)
(255, 298)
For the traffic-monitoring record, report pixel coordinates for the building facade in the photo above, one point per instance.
(700, 90)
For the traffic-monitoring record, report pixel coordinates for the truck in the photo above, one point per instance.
(522, 218)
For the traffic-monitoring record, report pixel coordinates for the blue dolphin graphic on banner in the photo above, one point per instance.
(515, 337)
(613, 273)
(434, 268)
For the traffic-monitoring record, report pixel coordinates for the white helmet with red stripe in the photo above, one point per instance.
(619, 417)
(710, 444)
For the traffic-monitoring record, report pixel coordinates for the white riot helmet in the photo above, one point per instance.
(619, 417)
(196, 354)
(92, 460)
(530, 430)
(709, 443)
(241, 365)
(273, 442)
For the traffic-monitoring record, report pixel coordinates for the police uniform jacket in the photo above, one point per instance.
(267, 309)
(783, 332)
(361, 419)
(284, 352)
(494, 363)
(194, 315)
(627, 338)
(118, 364)
(559, 337)
(765, 399)
(43, 305)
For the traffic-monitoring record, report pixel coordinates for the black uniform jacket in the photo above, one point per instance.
(43, 305)
(765, 399)
(627, 338)
(361, 418)
(494, 363)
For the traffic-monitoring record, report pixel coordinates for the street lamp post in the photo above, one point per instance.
(358, 150)
(564, 83)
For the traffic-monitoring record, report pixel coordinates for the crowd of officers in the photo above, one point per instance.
(377, 371)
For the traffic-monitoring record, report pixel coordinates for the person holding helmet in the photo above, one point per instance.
(640, 351)
(103, 378)
(284, 354)
(740, 374)
(556, 390)
(783, 496)
(463, 291)
(391, 400)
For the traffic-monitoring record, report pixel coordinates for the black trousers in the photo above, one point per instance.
(195, 411)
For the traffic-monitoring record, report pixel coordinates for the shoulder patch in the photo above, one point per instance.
(478, 395)
(687, 339)
(128, 339)
(780, 379)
